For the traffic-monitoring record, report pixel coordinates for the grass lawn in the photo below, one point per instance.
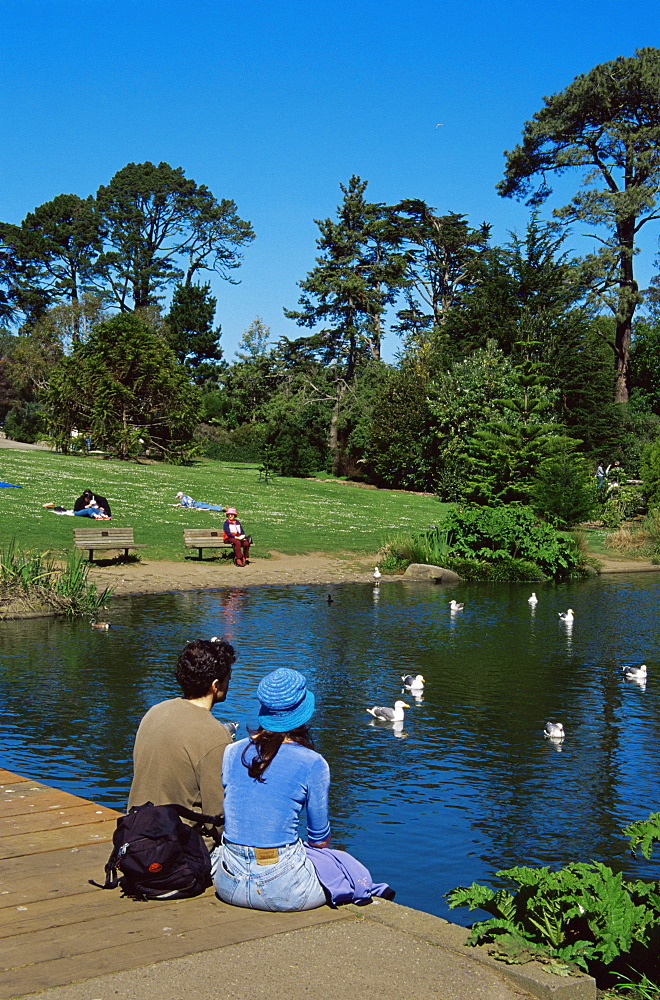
(285, 515)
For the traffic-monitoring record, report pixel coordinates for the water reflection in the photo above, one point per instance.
(468, 782)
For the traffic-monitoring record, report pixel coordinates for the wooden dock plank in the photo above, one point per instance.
(57, 929)
(57, 873)
(42, 841)
(34, 800)
(25, 823)
(10, 776)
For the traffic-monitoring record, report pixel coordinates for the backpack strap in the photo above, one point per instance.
(198, 816)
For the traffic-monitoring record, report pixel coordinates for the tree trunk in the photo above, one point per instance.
(333, 435)
(622, 359)
(628, 300)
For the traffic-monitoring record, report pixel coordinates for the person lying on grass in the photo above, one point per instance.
(187, 501)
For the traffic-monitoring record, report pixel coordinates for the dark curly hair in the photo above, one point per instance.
(201, 662)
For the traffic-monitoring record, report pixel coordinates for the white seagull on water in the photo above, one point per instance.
(554, 730)
(455, 606)
(386, 714)
(635, 673)
(533, 600)
(377, 576)
(566, 616)
(413, 683)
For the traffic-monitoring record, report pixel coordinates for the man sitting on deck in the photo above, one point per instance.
(179, 744)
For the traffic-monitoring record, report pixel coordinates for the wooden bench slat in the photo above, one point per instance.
(105, 538)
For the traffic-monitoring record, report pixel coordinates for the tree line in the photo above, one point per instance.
(515, 362)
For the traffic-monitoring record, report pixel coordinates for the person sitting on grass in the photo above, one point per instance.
(187, 501)
(91, 505)
(88, 505)
(233, 532)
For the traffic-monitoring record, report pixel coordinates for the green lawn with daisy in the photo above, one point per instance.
(284, 515)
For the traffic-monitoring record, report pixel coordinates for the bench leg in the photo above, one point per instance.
(91, 555)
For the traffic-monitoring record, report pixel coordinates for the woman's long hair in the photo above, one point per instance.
(267, 744)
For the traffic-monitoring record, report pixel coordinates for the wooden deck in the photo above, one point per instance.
(57, 929)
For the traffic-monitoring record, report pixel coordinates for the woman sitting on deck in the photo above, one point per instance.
(268, 780)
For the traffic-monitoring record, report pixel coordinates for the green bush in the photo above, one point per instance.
(584, 915)
(511, 537)
(427, 547)
(26, 423)
(650, 470)
(30, 579)
(564, 491)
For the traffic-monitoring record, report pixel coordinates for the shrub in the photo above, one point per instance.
(427, 547)
(650, 470)
(564, 491)
(497, 535)
(30, 579)
(583, 914)
(27, 423)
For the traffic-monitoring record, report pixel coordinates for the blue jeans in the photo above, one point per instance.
(88, 512)
(200, 505)
(288, 884)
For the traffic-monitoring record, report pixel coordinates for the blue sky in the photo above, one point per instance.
(274, 104)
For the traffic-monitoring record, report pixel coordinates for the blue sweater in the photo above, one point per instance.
(265, 814)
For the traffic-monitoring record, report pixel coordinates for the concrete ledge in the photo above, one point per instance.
(433, 574)
(531, 977)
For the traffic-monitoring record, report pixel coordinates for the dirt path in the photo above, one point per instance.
(158, 577)
(148, 577)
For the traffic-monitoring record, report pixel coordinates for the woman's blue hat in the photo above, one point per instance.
(285, 701)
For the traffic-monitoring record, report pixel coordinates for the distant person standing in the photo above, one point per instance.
(233, 532)
(600, 475)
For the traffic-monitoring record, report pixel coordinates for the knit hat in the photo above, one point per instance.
(285, 701)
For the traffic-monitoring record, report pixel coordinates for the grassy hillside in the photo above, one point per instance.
(284, 515)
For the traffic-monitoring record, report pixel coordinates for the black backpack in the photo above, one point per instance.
(157, 855)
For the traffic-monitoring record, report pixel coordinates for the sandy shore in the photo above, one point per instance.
(147, 577)
(159, 577)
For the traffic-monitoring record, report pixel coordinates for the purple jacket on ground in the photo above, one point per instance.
(344, 878)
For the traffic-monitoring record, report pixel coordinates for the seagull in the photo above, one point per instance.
(100, 625)
(413, 683)
(232, 728)
(533, 599)
(554, 730)
(389, 714)
(635, 673)
(377, 576)
(566, 616)
(454, 606)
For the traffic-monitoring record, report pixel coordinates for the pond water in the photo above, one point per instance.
(467, 786)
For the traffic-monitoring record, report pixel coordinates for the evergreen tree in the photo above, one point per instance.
(606, 125)
(127, 386)
(190, 332)
(357, 275)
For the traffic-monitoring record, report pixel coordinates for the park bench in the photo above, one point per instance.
(104, 538)
(205, 538)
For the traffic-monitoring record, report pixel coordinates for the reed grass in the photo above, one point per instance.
(32, 581)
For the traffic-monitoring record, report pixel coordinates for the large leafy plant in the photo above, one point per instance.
(584, 915)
